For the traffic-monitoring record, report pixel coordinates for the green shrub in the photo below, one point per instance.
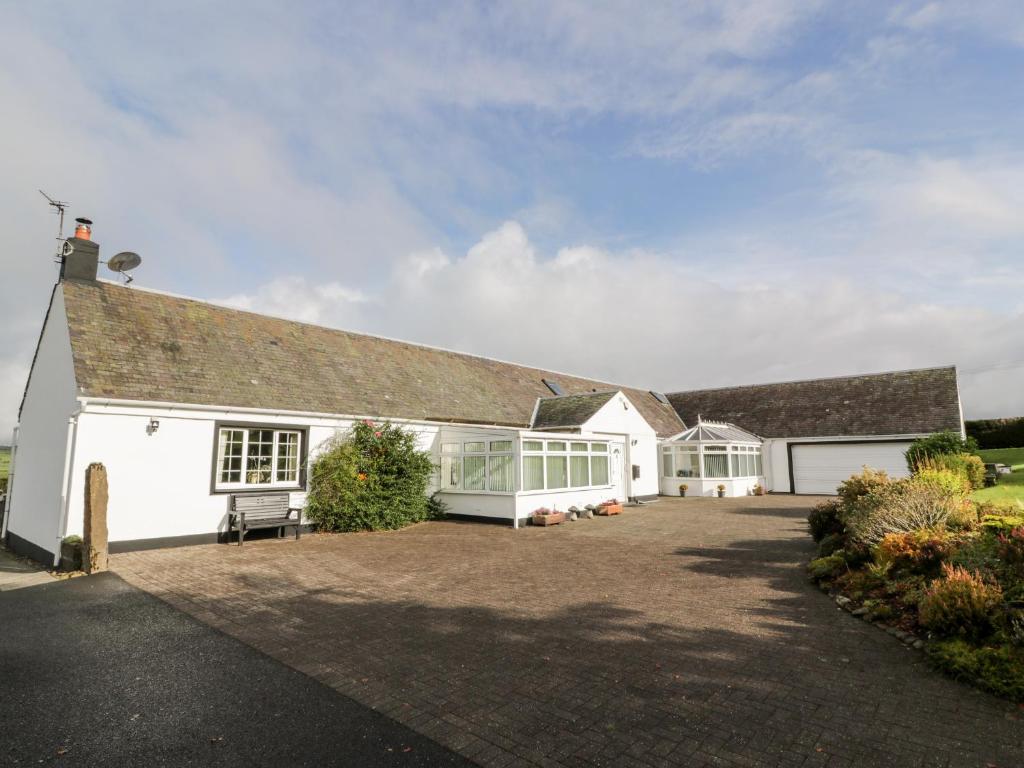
(1001, 523)
(960, 604)
(971, 469)
(823, 519)
(857, 486)
(437, 508)
(826, 567)
(976, 552)
(830, 545)
(901, 507)
(371, 478)
(941, 443)
(997, 433)
(953, 483)
(913, 552)
(999, 669)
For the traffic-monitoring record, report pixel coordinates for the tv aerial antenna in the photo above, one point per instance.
(59, 207)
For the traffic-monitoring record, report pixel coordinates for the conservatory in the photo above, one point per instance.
(709, 455)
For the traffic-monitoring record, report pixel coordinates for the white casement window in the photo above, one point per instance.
(560, 464)
(681, 461)
(716, 461)
(478, 466)
(258, 457)
(745, 461)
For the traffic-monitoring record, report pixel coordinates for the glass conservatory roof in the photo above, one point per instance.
(716, 432)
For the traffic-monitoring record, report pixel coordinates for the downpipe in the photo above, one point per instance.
(65, 495)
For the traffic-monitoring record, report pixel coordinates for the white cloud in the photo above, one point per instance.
(640, 319)
(998, 19)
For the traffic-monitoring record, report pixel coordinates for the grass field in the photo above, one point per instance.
(5, 462)
(1010, 487)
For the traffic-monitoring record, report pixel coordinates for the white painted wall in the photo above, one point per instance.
(37, 490)
(737, 486)
(776, 466)
(160, 484)
(620, 417)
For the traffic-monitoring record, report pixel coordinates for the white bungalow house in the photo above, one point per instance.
(186, 403)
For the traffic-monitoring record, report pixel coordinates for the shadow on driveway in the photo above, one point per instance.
(95, 672)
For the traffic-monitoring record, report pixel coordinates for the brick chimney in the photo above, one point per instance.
(81, 255)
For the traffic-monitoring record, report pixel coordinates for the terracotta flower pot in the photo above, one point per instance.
(610, 509)
(553, 519)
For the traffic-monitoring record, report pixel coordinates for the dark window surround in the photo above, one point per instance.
(303, 456)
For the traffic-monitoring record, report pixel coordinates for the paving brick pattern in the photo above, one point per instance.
(681, 633)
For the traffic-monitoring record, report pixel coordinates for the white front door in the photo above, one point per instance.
(617, 469)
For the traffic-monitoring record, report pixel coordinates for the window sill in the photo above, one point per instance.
(254, 489)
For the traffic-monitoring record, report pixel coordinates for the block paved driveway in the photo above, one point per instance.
(681, 633)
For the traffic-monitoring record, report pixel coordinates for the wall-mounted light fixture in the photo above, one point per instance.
(153, 426)
(632, 442)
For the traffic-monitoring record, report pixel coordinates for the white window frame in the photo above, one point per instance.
(566, 451)
(243, 484)
(462, 452)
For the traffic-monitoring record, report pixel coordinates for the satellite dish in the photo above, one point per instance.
(125, 261)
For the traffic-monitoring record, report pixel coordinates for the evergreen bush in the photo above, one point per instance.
(939, 444)
(371, 478)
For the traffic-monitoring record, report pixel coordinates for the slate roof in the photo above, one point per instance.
(897, 403)
(569, 410)
(133, 344)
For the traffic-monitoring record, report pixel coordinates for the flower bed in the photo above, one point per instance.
(940, 572)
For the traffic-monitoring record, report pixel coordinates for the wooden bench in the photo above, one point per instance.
(266, 510)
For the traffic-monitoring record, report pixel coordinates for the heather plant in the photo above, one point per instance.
(914, 551)
(960, 604)
(371, 478)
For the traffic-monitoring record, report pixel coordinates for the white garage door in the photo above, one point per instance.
(821, 468)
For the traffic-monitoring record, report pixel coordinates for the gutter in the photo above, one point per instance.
(233, 409)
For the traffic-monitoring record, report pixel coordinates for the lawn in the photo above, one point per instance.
(1010, 487)
(5, 462)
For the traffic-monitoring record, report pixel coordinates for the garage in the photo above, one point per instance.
(818, 468)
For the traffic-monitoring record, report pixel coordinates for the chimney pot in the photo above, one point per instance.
(83, 230)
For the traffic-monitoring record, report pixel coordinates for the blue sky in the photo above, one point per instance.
(687, 195)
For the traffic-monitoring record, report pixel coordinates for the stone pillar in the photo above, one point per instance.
(94, 557)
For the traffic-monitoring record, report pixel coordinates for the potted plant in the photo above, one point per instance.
(545, 516)
(71, 553)
(721, 490)
(610, 507)
(682, 489)
(758, 489)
